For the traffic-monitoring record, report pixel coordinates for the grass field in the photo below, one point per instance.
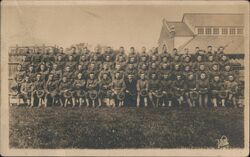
(56, 127)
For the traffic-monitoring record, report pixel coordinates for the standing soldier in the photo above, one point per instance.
(97, 57)
(118, 88)
(26, 90)
(232, 87)
(131, 92)
(144, 57)
(143, 69)
(84, 61)
(36, 58)
(105, 88)
(51, 90)
(132, 56)
(31, 73)
(190, 90)
(121, 54)
(60, 62)
(80, 88)
(131, 70)
(66, 93)
(167, 90)
(121, 60)
(154, 89)
(79, 70)
(216, 87)
(25, 62)
(154, 68)
(203, 87)
(142, 90)
(179, 89)
(71, 62)
(92, 87)
(108, 61)
(38, 91)
(76, 55)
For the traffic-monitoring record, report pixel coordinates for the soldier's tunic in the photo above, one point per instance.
(118, 85)
(44, 74)
(36, 60)
(104, 87)
(131, 94)
(69, 74)
(71, 64)
(79, 85)
(142, 85)
(215, 86)
(64, 86)
(131, 71)
(19, 78)
(26, 90)
(57, 74)
(60, 64)
(189, 84)
(154, 85)
(92, 84)
(232, 87)
(32, 75)
(203, 85)
(51, 88)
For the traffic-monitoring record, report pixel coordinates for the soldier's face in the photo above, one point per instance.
(107, 58)
(61, 50)
(132, 50)
(224, 58)
(227, 68)
(85, 50)
(142, 76)
(190, 77)
(23, 58)
(91, 76)
(70, 58)
(79, 75)
(42, 67)
(144, 66)
(216, 78)
(210, 58)
(187, 59)
(165, 76)
(121, 49)
(79, 67)
(153, 65)
(118, 66)
(26, 79)
(209, 49)
(165, 59)
(154, 58)
(187, 68)
(109, 49)
(83, 58)
(215, 67)
(221, 49)
(132, 59)
(38, 77)
(177, 67)
(199, 58)
(164, 66)
(19, 67)
(130, 77)
(64, 79)
(143, 58)
(130, 66)
(55, 66)
(92, 65)
(96, 49)
(59, 58)
(178, 77)
(50, 77)
(231, 78)
(197, 49)
(67, 69)
(31, 68)
(120, 58)
(153, 76)
(117, 75)
(202, 67)
(105, 76)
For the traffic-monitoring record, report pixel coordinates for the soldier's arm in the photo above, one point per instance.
(138, 86)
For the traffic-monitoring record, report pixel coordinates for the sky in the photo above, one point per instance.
(112, 25)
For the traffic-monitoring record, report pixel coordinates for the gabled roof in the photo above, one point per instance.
(232, 44)
(208, 19)
(181, 29)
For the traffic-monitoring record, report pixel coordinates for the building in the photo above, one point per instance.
(202, 30)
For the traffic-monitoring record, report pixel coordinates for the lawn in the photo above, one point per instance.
(100, 128)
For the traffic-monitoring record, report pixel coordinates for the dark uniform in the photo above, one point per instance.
(130, 91)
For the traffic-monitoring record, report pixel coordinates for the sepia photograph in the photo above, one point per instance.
(124, 78)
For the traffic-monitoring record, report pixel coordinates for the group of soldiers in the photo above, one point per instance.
(116, 79)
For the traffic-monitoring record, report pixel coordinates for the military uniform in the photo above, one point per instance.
(57, 74)
(131, 91)
(79, 85)
(26, 90)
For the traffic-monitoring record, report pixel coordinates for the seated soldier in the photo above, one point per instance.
(38, 91)
(92, 87)
(167, 90)
(232, 87)
(108, 62)
(144, 57)
(131, 70)
(79, 70)
(143, 69)
(154, 89)
(121, 60)
(51, 90)
(109, 52)
(25, 91)
(96, 56)
(142, 90)
(190, 90)
(66, 93)
(216, 86)
(105, 88)
(31, 73)
(179, 88)
(132, 56)
(36, 58)
(203, 87)
(121, 54)
(56, 72)
(84, 61)
(75, 54)
(26, 62)
(131, 92)
(80, 88)
(118, 87)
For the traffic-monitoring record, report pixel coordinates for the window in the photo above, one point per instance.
(216, 31)
(200, 30)
(239, 30)
(232, 31)
(208, 31)
(224, 31)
